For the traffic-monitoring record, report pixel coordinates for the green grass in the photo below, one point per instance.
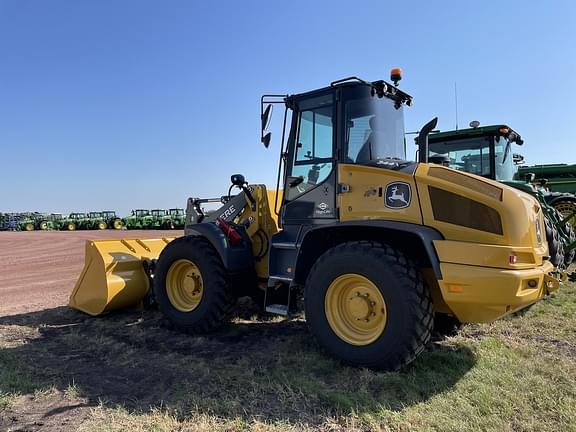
(517, 374)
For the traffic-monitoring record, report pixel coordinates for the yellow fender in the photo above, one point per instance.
(113, 276)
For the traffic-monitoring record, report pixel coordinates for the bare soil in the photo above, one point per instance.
(38, 269)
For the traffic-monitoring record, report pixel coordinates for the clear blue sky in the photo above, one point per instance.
(122, 104)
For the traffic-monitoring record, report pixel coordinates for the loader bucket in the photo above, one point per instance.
(113, 276)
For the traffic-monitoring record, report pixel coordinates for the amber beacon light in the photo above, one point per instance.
(396, 75)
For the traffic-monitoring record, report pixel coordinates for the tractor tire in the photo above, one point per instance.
(71, 227)
(366, 303)
(43, 226)
(555, 247)
(569, 255)
(29, 227)
(102, 225)
(566, 208)
(191, 286)
(117, 224)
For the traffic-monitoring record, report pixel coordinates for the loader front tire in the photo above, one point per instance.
(191, 287)
(366, 303)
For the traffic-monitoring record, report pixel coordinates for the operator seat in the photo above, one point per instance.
(368, 149)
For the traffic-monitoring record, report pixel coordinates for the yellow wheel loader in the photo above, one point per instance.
(373, 245)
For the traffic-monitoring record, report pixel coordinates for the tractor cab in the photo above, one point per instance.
(485, 151)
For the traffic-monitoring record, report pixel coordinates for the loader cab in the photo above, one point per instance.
(350, 122)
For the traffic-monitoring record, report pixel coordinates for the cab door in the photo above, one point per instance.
(309, 191)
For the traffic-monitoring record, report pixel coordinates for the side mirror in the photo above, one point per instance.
(266, 116)
(266, 139)
(265, 119)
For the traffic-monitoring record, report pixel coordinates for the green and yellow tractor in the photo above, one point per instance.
(112, 220)
(557, 183)
(96, 221)
(373, 246)
(178, 218)
(53, 221)
(139, 219)
(75, 221)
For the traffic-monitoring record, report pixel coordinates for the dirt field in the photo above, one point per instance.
(38, 269)
(61, 370)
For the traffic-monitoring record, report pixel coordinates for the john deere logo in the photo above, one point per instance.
(397, 195)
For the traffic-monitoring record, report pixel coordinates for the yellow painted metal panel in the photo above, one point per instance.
(482, 294)
(518, 211)
(488, 255)
(366, 195)
(113, 276)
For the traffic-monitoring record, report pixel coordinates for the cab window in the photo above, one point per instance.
(313, 157)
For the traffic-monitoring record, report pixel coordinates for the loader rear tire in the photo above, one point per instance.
(191, 287)
(367, 304)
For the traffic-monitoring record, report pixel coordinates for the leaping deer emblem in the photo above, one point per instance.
(397, 196)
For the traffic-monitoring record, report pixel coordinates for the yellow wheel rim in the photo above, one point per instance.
(71, 227)
(43, 226)
(29, 227)
(184, 285)
(355, 309)
(566, 209)
(102, 225)
(117, 224)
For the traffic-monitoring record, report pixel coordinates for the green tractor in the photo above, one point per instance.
(162, 219)
(558, 183)
(487, 151)
(178, 218)
(112, 220)
(54, 221)
(30, 221)
(96, 221)
(75, 221)
(27, 222)
(139, 219)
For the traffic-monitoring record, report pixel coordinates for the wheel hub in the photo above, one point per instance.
(184, 285)
(355, 309)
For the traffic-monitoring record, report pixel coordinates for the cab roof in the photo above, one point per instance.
(470, 132)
